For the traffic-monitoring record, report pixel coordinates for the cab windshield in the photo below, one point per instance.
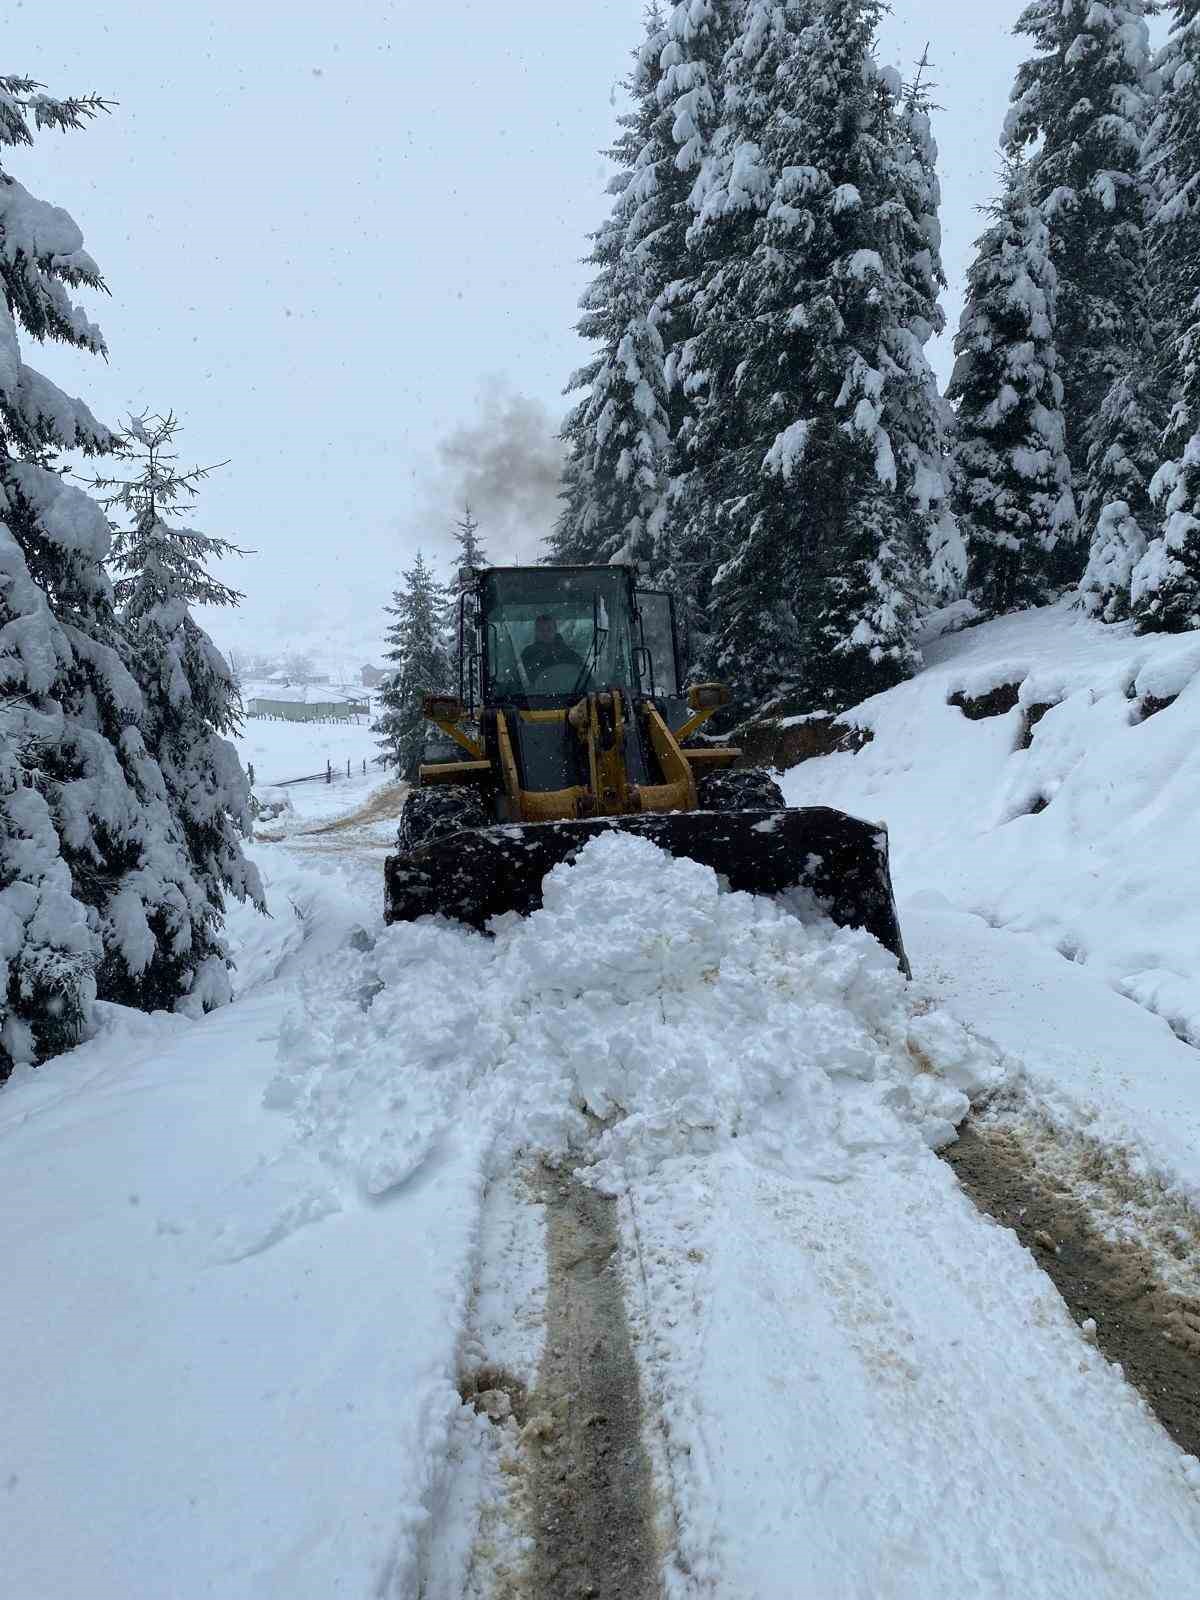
(556, 633)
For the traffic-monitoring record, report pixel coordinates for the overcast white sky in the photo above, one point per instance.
(340, 238)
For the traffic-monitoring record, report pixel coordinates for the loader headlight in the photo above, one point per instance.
(708, 696)
(442, 708)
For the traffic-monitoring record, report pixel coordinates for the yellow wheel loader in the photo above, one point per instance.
(571, 719)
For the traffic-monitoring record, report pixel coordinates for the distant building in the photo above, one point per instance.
(371, 677)
(295, 704)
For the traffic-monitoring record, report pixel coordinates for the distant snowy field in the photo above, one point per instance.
(283, 750)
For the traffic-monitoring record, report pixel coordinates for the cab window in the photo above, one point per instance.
(556, 633)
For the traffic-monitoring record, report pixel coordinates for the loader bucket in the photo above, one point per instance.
(842, 861)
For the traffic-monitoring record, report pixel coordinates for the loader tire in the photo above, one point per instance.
(748, 789)
(431, 814)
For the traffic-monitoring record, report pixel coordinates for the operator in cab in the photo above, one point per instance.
(548, 649)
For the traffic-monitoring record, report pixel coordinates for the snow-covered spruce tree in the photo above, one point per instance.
(471, 558)
(618, 434)
(816, 459)
(1013, 479)
(49, 945)
(1165, 587)
(421, 665)
(1171, 164)
(1080, 106)
(1116, 514)
(690, 97)
(470, 546)
(92, 870)
(929, 451)
(190, 704)
(733, 544)
(1117, 508)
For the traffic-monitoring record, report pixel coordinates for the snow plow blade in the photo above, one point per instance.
(478, 874)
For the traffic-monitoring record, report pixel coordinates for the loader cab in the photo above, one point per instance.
(545, 636)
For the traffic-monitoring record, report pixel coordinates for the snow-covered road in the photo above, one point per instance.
(869, 1390)
(252, 1261)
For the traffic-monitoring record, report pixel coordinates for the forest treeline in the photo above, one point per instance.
(760, 424)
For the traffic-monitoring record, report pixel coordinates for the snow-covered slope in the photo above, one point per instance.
(1080, 829)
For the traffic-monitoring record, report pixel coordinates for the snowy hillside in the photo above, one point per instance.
(336, 651)
(1067, 810)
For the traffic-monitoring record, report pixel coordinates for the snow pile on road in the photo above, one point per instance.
(1070, 816)
(641, 995)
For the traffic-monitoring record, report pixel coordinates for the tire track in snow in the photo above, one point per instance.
(478, 1543)
(1113, 1288)
(387, 804)
(547, 1489)
(593, 1497)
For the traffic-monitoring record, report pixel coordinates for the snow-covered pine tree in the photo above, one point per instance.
(1080, 106)
(91, 863)
(421, 665)
(1171, 166)
(49, 946)
(733, 543)
(190, 704)
(816, 458)
(43, 257)
(930, 449)
(1165, 587)
(618, 434)
(690, 95)
(471, 558)
(1117, 508)
(1116, 515)
(471, 553)
(1013, 478)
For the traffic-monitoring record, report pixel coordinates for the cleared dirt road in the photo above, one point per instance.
(592, 1500)
(1112, 1287)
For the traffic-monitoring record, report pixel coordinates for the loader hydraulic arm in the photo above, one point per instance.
(705, 700)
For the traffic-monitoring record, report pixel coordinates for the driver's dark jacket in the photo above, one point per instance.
(537, 657)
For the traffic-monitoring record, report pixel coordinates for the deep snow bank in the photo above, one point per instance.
(640, 988)
(1071, 816)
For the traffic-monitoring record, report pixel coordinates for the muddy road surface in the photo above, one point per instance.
(592, 1496)
(1113, 1288)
